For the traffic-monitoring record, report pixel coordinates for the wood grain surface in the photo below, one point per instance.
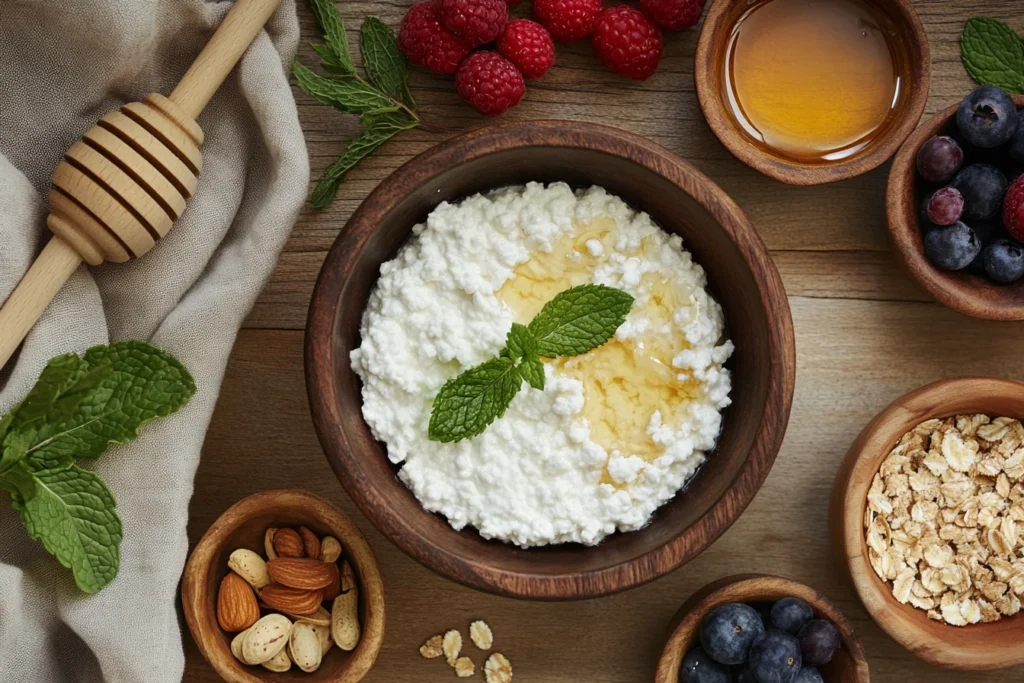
(865, 335)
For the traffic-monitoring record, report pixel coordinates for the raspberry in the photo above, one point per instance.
(476, 22)
(1013, 209)
(425, 42)
(627, 42)
(673, 15)
(568, 20)
(489, 83)
(528, 45)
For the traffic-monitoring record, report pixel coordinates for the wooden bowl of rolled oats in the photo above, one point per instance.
(925, 516)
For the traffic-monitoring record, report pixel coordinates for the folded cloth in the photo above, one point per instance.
(62, 66)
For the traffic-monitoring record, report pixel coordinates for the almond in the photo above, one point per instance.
(332, 589)
(310, 543)
(330, 549)
(237, 608)
(291, 600)
(299, 572)
(288, 543)
(250, 567)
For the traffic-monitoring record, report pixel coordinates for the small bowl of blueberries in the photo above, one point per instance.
(755, 628)
(955, 205)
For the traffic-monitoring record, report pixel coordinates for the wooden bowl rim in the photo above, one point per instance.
(788, 170)
(687, 619)
(200, 565)
(958, 291)
(865, 457)
(323, 387)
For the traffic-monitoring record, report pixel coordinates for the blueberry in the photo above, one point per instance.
(1004, 261)
(987, 117)
(952, 247)
(987, 233)
(939, 159)
(819, 640)
(945, 206)
(790, 615)
(743, 674)
(1015, 150)
(727, 632)
(699, 668)
(982, 187)
(775, 657)
(809, 674)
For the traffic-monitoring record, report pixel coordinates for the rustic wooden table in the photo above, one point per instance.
(865, 334)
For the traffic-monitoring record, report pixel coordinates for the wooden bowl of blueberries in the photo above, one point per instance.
(955, 205)
(755, 628)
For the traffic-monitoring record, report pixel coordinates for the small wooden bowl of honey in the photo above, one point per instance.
(809, 91)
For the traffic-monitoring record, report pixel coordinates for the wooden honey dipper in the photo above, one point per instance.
(120, 187)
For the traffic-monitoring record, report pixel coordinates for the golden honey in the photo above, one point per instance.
(624, 381)
(812, 80)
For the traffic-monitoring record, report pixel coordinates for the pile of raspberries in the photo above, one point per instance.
(443, 36)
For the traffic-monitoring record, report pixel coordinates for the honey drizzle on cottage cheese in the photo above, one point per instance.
(557, 467)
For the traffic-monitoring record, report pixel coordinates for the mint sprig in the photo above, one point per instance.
(77, 408)
(993, 54)
(574, 322)
(382, 98)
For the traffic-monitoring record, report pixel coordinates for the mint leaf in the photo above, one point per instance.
(378, 129)
(532, 370)
(384, 64)
(72, 512)
(520, 342)
(142, 384)
(469, 402)
(5, 424)
(337, 55)
(579, 319)
(346, 93)
(993, 54)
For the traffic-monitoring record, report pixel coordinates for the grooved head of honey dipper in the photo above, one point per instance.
(120, 188)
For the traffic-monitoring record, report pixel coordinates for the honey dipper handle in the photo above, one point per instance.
(33, 294)
(226, 47)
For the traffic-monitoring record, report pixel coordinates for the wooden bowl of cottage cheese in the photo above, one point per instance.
(629, 459)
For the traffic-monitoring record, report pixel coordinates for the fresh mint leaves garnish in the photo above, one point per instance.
(993, 54)
(579, 319)
(382, 98)
(575, 321)
(78, 407)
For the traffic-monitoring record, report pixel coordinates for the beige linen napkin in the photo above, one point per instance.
(63, 64)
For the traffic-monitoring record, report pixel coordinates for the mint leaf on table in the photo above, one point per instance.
(993, 54)
(144, 383)
(467, 404)
(579, 319)
(384, 64)
(382, 98)
(335, 54)
(379, 128)
(78, 407)
(72, 512)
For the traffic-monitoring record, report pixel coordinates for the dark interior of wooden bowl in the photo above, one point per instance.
(980, 396)
(249, 534)
(969, 293)
(913, 64)
(428, 536)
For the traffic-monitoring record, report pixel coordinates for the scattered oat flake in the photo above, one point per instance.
(464, 667)
(481, 635)
(451, 646)
(432, 648)
(498, 669)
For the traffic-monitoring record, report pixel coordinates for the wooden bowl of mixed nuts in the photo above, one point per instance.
(283, 587)
(925, 512)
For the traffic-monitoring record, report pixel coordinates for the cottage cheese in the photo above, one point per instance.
(545, 472)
